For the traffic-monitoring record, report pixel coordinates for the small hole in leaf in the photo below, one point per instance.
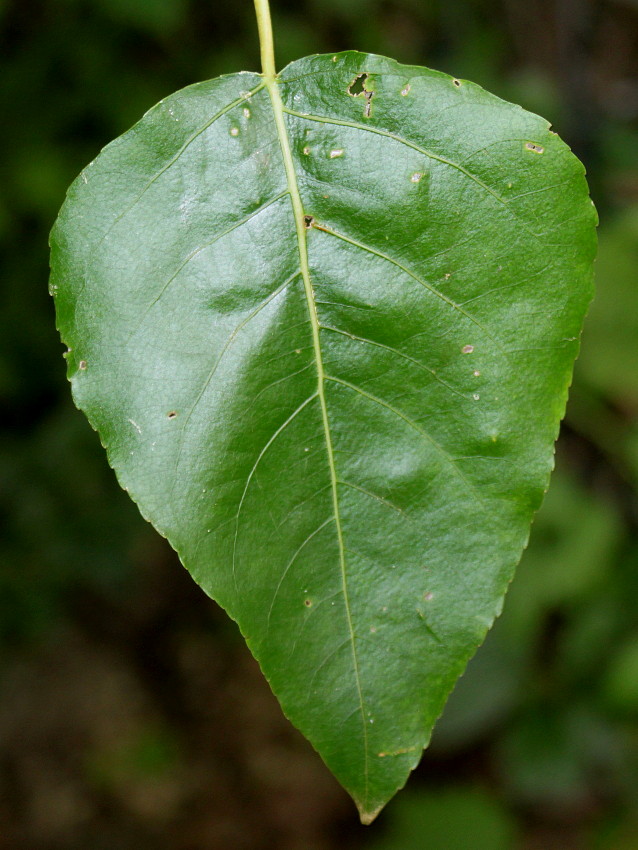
(357, 88)
(172, 414)
(308, 221)
(530, 146)
(358, 85)
(82, 365)
(467, 349)
(308, 603)
(457, 83)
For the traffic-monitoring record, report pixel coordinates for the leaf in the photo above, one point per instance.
(325, 328)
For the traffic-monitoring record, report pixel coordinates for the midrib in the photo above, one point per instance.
(300, 225)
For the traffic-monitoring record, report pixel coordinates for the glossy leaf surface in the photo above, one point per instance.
(325, 328)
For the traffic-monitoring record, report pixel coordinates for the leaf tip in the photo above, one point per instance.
(367, 817)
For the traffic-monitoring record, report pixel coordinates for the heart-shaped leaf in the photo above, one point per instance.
(325, 326)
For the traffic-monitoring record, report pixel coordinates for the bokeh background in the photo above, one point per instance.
(131, 714)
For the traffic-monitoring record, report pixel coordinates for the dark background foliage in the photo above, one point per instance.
(131, 714)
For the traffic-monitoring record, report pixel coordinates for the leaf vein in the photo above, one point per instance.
(300, 224)
(373, 496)
(440, 449)
(415, 277)
(215, 366)
(320, 667)
(322, 119)
(271, 440)
(172, 161)
(291, 562)
(199, 250)
(396, 351)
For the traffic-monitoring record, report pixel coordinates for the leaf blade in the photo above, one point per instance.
(335, 388)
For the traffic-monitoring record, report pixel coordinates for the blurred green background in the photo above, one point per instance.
(131, 714)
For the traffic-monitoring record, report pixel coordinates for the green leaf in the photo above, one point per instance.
(325, 327)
